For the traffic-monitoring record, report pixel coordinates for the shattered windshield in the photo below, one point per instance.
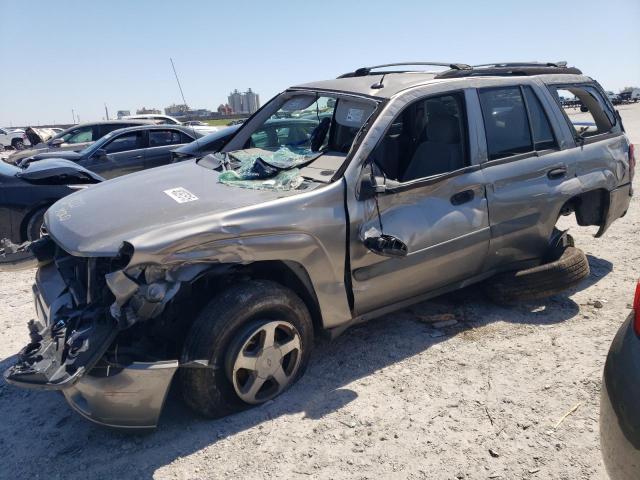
(304, 127)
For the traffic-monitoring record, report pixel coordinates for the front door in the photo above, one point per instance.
(125, 153)
(435, 204)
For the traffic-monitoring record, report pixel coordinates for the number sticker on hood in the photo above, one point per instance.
(181, 195)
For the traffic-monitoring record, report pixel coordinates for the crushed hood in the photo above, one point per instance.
(154, 206)
(68, 155)
(56, 169)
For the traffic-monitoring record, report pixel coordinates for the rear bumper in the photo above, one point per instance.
(619, 406)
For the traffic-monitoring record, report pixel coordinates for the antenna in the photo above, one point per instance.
(193, 129)
(178, 80)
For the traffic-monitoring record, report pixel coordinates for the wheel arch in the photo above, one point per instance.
(590, 208)
(290, 274)
(24, 223)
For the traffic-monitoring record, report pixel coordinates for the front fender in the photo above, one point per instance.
(326, 273)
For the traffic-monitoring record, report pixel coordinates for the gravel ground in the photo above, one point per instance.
(399, 397)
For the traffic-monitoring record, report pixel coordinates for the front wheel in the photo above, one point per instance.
(257, 339)
(17, 144)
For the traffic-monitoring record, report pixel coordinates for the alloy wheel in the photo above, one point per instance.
(264, 360)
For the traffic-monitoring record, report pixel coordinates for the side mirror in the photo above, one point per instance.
(583, 108)
(56, 142)
(100, 153)
(367, 185)
(370, 185)
(386, 245)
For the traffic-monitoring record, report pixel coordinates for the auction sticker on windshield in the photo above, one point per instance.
(181, 195)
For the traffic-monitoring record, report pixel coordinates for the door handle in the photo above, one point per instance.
(556, 173)
(462, 197)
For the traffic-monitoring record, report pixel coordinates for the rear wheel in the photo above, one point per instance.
(256, 338)
(539, 282)
(17, 144)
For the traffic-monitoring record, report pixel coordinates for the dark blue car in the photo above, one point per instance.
(620, 400)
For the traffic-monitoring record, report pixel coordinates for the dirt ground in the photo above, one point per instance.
(399, 397)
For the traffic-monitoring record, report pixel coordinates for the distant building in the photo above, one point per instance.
(148, 111)
(247, 102)
(200, 112)
(123, 113)
(178, 110)
(251, 101)
(225, 109)
(235, 101)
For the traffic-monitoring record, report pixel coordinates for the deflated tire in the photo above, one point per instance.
(539, 282)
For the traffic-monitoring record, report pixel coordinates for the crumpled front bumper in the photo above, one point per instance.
(121, 396)
(130, 398)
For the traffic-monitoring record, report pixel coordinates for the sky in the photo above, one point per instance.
(64, 55)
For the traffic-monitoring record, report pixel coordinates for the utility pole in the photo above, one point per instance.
(73, 116)
(106, 111)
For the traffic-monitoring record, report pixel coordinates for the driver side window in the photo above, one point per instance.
(427, 138)
(125, 142)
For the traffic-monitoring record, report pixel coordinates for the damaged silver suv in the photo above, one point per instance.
(388, 186)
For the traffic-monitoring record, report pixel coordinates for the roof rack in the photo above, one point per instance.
(561, 64)
(364, 71)
(507, 69)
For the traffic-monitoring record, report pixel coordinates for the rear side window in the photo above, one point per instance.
(585, 109)
(543, 138)
(110, 127)
(505, 122)
(184, 138)
(159, 138)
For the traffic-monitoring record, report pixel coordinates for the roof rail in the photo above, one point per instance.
(560, 64)
(507, 69)
(364, 71)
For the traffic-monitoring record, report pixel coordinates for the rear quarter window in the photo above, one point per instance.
(586, 110)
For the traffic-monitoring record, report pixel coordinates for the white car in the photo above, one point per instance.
(169, 120)
(13, 138)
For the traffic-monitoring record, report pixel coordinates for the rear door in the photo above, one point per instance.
(125, 153)
(529, 178)
(437, 206)
(602, 149)
(161, 142)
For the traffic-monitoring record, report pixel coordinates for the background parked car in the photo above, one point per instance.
(25, 194)
(16, 139)
(169, 120)
(619, 395)
(126, 150)
(208, 144)
(75, 138)
(276, 132)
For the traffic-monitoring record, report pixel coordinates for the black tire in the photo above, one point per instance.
(17, 144)
(210, 391)
(35, 224)
(539, 282)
